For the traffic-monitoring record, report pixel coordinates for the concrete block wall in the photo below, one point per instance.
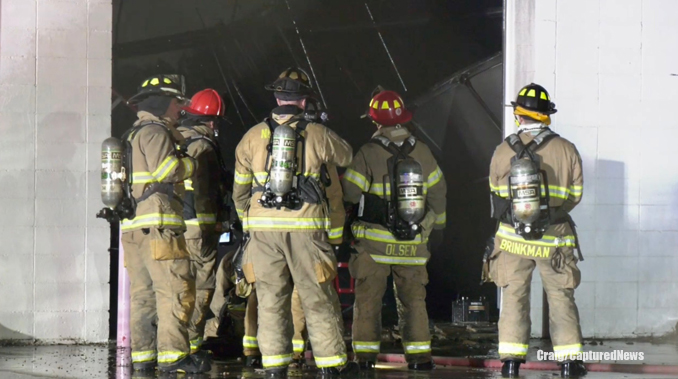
(55, 85)
(613, 74)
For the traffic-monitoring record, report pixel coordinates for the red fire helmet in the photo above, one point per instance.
(387, 108)
(206, 103)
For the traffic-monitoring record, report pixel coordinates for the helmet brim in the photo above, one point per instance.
(139, 97)
(514, 104)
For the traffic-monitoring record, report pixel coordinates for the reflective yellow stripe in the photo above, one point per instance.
(441, 219)
(153, 219)
(203, 219)
(356, 178)
(334, 361)
(435, 177)
(502, 191)
(196, 343)
(142, 177)
(240, 213)
(170, 356)
(335, 233)
(250, 342)
(188, 185)
(366, 346)
(286, 223)
(554, 191)
(165, 168)
(563, 351)
(405, 261)
(417, 347)
(382, 236)
(509, 233)
(243, 179)
(277, 360)
(261, 177)
(299, 346)
(189, 167)
(144, 356)
(512, 348)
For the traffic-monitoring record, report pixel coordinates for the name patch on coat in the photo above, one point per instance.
(525, 249)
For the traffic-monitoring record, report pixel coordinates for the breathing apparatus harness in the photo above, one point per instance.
(406, 190)
(525, 194)
(285, 185)
(125, 208)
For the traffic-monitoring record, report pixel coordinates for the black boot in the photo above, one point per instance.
(349, 370)
(366, 365)
(253, 361)
(145, 366)
(276, 373)
(510, 369)
(425, 366)
(573, 369)
(188, 365)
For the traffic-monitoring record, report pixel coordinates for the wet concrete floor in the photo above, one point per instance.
(75, 362)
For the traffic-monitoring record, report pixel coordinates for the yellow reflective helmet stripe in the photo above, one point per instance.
(376, 105)
(532, 93)
(384, 105)
(155, 81)
(522, 93)
(396, 104)
(543, 96)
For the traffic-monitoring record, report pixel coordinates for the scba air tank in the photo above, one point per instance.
(283, 153)
(525, 191)
(410, 182)
(112, 172)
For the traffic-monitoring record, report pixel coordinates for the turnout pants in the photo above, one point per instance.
(275, 260)
(203, 253)
(250, 343)
(162, 294)
(513, 273)
(410, 288)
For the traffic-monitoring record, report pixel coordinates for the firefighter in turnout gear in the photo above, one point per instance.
(203, 201)
(536, 180)
(383, 247)
(281, 198)
(157, 260)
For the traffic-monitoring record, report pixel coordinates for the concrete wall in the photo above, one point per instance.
(610, 66)
(55, 80)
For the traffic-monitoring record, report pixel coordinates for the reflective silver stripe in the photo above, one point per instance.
(170, 356)
(356, 178)
(337, 360)
(434, 178)
(152, 219)
(366, 347)
(188, 166)
(261, 177)
(407, 261)
(382, 236)
(250, 342)
(165, 168)
(336, 233)
(298, 345)
(508, 233)
(441, 218)
(242, 178)
(142, 177)
(417, 347)
(287, 223)
(203, 219)
(277, 360)
(565, 350)
(144, 356)
(512, 348)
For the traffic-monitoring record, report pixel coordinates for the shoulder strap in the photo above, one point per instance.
(520, 148)
(388, 145)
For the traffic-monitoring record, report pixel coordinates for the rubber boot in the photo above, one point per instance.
(276, 373)
(510, 369)
(145, 366)
(188, 364)
(349, 370)
(366, 365)
(573, 369)
(253, 361)
(425, 366)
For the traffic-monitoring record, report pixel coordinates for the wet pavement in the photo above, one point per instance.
(75, 362)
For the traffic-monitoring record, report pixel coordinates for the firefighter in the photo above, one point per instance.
(157, 260)
(203, 201)
(536, 169)
(280, 196)
(386, 242)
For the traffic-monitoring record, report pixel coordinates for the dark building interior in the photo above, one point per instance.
(443, 56)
